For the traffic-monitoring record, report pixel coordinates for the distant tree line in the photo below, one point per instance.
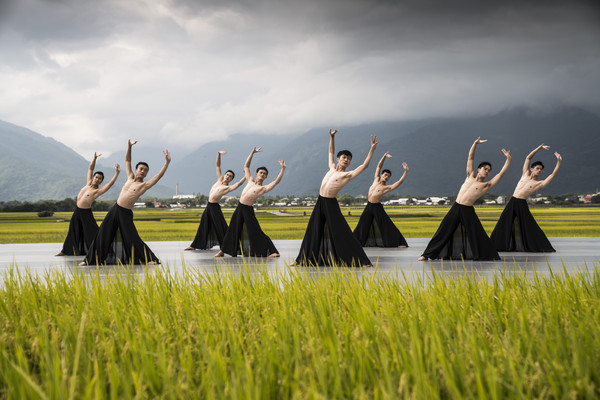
(67, 204)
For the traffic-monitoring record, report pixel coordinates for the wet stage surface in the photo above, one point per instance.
(572, 253)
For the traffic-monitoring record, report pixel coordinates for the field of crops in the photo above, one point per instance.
(413, 222)
(254, 336)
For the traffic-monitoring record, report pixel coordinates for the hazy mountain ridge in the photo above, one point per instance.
(35, 167)
(435, 150)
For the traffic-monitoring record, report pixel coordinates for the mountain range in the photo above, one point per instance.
(35, 167)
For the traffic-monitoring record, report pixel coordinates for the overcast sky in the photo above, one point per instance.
(177, 74)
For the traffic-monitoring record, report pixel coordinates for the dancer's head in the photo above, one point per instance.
(98, 178)
(536, 168)
(141, 169)
(229, 175)
(261, 173)
(484, 169)
(386, 174)
(344, 157)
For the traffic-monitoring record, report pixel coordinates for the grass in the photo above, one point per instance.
(242, 332)
(413, 222)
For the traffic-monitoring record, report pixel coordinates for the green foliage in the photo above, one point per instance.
(45, 213)
(242, 331)
(413, 222)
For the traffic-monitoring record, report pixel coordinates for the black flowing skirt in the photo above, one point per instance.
(82, 230)
(517, 230)
(328, 238)
(117, 240)
(461, 235)
(212, 228)
(244, 235)
(376, 229)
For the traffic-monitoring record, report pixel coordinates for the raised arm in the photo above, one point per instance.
(332, 148)
(494, 181)
(106, 187)
(546, 181)
(128, 169)
(395, 185)
(471, 158)
(90, 173)
(530, 156)
(236, 185)
(219, 174)
(272, 185)
(365, 164)
(380, 165)
(247, 173)
(151, 182)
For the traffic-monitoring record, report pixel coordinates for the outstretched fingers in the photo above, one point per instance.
(373, 140)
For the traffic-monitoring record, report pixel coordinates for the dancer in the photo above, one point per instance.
(516, 229)
(375, 228)
(83, 226)
(213, 226)
(117, 239)
(461, 234)
(244, 235)
(328, 238)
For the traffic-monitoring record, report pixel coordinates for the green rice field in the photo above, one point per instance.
(251, 335)
(413, 222)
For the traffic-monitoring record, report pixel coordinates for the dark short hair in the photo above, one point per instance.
(536, 163)
(265, 168)
(483, 164)
(387, 170)
(142, 163)
(99, 173)
(232, 173)
(344, 153)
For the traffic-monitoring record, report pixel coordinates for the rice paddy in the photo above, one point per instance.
(167, 225)
(239, 330)
(244, 333)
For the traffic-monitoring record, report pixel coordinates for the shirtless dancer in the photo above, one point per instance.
(118, 239)
(83, 226)
(213, 226)
(516, 229)
(375, 228)
(328, 238)
(244, 235)
(461, 234)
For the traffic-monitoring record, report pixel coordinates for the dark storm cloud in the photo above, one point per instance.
(173, 68)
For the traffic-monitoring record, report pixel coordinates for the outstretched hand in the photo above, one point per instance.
(130, 143)
(405, 166)
(117, 168)
(222, 152)
(282, 163)
(558, 156)
(373, 141)
(97, 155)
(545, 147)
(387, 155)
(257, 150)
(480, 140)
(167, 156)
(506, 153)
(332, 132)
